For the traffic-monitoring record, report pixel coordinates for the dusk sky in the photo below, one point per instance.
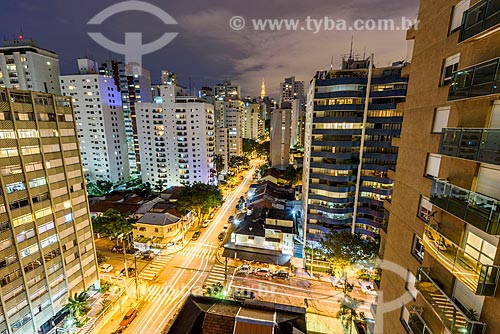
(207, 49)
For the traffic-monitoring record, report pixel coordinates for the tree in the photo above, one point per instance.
(112, 224)
(344, 248)
(263, 150)
(101, 258)
(249, 146)
(219, 163)
(143, 190)
(292, 174)
(159, 185)
(199, 198)
(348, 311)
(238, 162)
(78, 305)
(99, 188)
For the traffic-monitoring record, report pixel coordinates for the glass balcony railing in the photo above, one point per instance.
(480, 18)
(480, 278)
(417, 325)
(450, 314)
(479, 80)
(478, 210)
(481, 145)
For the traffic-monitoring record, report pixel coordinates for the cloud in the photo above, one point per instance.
(252, 55)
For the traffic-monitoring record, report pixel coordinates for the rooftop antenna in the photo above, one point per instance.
(364, 53)
(331, 64)
(189, 80)
(352, 41)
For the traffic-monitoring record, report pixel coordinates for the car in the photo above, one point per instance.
(226, 226)
(205, 223)
(243, 294)
(221, 236)
(117, 249)
(243, 270)
(149, 254)
(196, 235)
(132, 250)
(263, 272)
(106, 268)
(131, 272)
(230, 219)
(283, 274)
(128, 318)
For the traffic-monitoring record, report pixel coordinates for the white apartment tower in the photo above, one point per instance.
(252, 124)
(280, 138)
(291, 90)
(134, 84)
(99, 118)
(24, 65)
(176, 139)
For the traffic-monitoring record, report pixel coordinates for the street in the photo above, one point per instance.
(184, 273)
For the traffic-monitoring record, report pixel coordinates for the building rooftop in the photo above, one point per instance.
(158, 219)
(207, 315)
(125, 202)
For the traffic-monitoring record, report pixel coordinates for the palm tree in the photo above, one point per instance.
(347, 312)
(78, 305)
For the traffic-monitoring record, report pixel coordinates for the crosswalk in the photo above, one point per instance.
(195, 250)
(152, 269)
(216, 275)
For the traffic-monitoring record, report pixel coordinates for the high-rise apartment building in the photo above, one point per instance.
(291, 90)
(252, 125)
(233, 115)
(134, 84)
(24, 65)
(227, 91)
(97, 104)
(280, 133)
(47, 241)
(346, 162)
(444, 223)
(176, 139)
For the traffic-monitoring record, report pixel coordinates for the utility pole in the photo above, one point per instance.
(136, 278)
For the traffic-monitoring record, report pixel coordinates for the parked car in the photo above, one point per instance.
(243, 270)
(134, 251)
(106, 268)
(117, 249)
(128, 318)
(283, 274)
(263, 272)
(149, 254)
(221, 236)
(245, 294)
(131, 272)
(206, 223)
(196, 235)
(226, 226)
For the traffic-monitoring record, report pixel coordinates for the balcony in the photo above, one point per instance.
(480, 20)
(449, 313)
(475, 81)
(417, 325)
(480, 278)
(478, 210)
(481, 145)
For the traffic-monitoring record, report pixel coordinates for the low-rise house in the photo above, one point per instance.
(264, 235)
(273, 175)
(160, 225)
(125, 202)
(207, 315)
